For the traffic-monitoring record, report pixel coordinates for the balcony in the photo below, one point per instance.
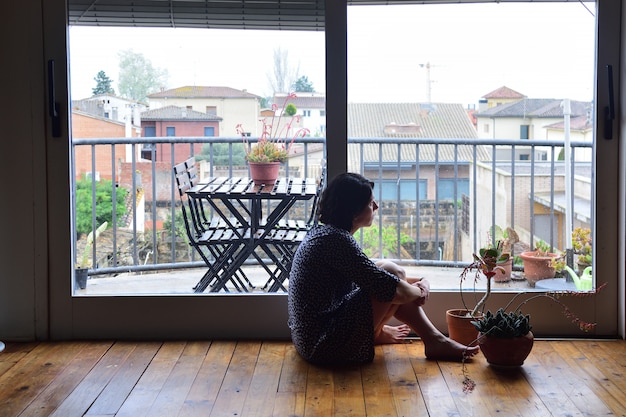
(438, 199)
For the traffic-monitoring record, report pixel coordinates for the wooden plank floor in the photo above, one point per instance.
(248, 378)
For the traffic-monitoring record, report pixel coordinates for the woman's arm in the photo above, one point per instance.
(409, 289)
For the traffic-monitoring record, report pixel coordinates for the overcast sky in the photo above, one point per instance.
(542, 50)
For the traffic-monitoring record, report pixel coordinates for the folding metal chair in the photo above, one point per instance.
(285, 239)
(216, 244)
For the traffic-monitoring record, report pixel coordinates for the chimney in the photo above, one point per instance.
(128, 117)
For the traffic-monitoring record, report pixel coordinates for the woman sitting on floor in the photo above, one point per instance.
(340, 301)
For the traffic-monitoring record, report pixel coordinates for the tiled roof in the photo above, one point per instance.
(503, 92)
(576, 123)
(302, 100)
(411, 120)
(537, 108)
(388, 153)
(177, 113)
(202, 92)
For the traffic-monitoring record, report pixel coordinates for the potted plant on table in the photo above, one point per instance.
(274, 145)
(487, 262)
(540, 263)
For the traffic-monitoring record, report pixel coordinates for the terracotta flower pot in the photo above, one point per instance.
(537, 267)
(460, 327)
(506, 351)
(264, 173)
(506, 275)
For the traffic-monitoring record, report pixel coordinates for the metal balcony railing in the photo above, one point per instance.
(438, 198)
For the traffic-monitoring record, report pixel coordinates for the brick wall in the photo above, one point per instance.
(84, 127)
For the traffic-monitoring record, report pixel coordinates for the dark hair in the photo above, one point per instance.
(344, 197)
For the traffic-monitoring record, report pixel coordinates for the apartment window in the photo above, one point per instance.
(170, 131)
(211, 110)
(405, 188)
(209, 131)
(524, 132)
(446, 188)
(306, 113)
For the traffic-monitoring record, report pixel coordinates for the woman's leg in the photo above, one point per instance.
(383, 333)
(436, 344)
(383, 312)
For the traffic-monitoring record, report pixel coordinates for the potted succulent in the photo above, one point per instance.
(505, 337)
(539, 264)
(274, 145)
(487, 262)
(507, 237)
(582, 247)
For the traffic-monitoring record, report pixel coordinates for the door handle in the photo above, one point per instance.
(53, 107)
(609, 111)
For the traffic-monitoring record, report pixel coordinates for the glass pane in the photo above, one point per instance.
(488, 107)
(186, 90)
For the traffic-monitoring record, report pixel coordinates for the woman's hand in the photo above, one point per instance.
(424, 287)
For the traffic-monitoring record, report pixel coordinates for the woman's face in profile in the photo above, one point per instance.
(366, 216)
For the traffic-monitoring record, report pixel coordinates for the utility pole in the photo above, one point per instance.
(428, 81)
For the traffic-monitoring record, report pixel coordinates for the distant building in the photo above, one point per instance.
(413, 120)
(498, 97)
(176, 121)
(111, 107)
(514, 116)
(230, 105)
(311, 107)
(86, 126)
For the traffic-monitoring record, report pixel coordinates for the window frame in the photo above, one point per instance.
(237, 316)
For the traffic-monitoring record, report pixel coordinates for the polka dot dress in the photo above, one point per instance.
(330, 289)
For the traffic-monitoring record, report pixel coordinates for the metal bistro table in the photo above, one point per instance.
(240, 204)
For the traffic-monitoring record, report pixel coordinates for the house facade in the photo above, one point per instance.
(111, 107)
(85, 126)
(176, 121)
(311, 107)
(547, 182)
(527, 118)
(228, 106)
(425, 180)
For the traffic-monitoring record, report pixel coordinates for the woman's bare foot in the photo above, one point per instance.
(392, 334)
(444, 348)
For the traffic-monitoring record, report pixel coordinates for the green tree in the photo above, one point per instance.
(104, 204)
(389, 241)
(264, 102)
(138, 77)
(103, 84)
(291, 110)
(221, 154)
(303, 84)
